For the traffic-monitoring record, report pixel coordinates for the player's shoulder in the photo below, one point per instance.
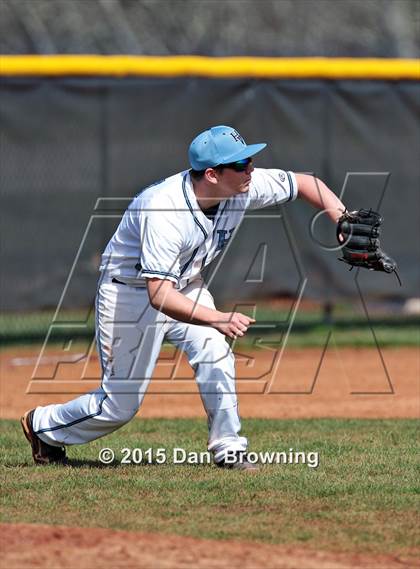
(272, 174)
(162, 191)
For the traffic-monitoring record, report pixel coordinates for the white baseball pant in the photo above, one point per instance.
(129, 334)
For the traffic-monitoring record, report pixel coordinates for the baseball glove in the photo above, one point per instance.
(358, 232)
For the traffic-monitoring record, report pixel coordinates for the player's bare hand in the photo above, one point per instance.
(233, 324)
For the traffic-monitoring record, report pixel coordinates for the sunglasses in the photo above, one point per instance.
(239, 165)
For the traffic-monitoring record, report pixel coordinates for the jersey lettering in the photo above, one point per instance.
(222, 239)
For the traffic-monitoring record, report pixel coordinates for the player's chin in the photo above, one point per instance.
(241, 191)
(244, 188)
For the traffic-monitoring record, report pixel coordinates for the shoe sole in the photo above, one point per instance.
(29, 434)
(25, 427)
(251, 469)
(248, 467)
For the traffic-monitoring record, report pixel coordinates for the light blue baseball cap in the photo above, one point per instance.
(220, 145)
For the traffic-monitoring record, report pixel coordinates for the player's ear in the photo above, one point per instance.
(211, 175)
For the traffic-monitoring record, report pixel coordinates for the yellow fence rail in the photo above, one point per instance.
(217, 67)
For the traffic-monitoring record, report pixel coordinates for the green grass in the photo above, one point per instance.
(362, 497)
(348, 328)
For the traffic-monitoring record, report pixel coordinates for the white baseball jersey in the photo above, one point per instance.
(164, 233)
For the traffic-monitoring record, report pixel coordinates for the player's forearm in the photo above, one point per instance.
(166, 299)
(314, 191)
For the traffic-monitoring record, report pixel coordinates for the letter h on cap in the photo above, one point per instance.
(237, 136)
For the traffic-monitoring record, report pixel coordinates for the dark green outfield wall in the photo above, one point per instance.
(67, 142)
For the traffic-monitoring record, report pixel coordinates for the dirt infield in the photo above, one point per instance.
(34, 546)
(301, 383)
(343, 382)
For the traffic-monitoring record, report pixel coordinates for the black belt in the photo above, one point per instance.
(118, 282)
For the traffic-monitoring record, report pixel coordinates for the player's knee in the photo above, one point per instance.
(119, 414)
(125, 415)
(215, 351)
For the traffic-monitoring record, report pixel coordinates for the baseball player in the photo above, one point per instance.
(151, 289)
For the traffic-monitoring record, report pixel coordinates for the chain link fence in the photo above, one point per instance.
(356, 28)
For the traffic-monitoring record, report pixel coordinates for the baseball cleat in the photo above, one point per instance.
(241, 463)
(42, 453)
